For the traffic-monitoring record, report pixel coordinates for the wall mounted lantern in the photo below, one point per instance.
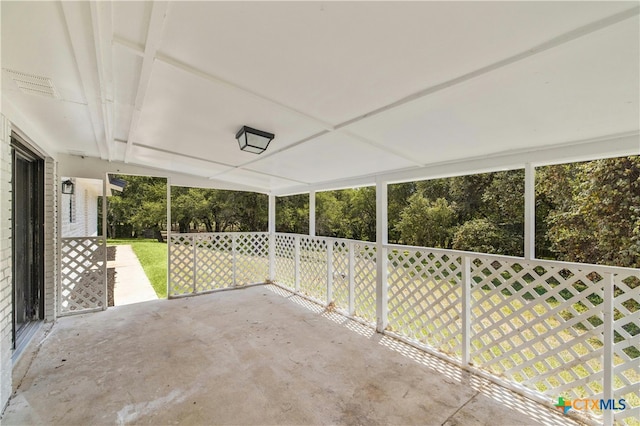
(68, 187)
(253, 140)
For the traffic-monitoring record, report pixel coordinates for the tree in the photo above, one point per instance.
(189, 207)
(292, 214)
(465, 193)
(329, 215)
(594, 215)
(141, 205)
(359, 211)
(398, 196)
(484, 236)
(426, 223)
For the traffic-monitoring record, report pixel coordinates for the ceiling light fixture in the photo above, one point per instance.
(253, 140)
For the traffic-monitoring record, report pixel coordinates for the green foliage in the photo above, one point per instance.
(397, 197)
(432, 211)
(348, 213)
(427, 223)
(484, 236)
(585, 212)
(141, 205)
(292, 214)
(594, 213)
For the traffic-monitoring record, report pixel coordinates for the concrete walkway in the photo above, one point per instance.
(132, 284)
(255, 356)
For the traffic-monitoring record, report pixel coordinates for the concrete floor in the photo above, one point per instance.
(251, 356)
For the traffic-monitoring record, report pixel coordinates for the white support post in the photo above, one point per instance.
(607, 361)
(382, 236)
(272, 237)
(234, 263)
(296, 256)
(192, 238)
(529, 211)
(329, 272)
(466, 310)
(312, 213)
(352, 278)
(105, 299)
(169, 238)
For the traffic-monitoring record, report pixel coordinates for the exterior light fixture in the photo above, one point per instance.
(68, 187)
(252, 140)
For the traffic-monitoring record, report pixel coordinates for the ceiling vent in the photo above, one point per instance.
(33, 84)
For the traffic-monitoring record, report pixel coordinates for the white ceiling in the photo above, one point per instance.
(351, 89)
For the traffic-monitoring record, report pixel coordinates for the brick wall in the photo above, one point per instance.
(5, 261)
(50, 238)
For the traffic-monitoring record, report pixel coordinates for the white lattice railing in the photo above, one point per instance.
(201, 262)
(547, 329)
(83, 283)
(329, 270)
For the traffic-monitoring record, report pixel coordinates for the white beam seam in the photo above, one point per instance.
(86, 70)
(102, 19)
(216, 176)
(128, 46)
(548, 45)
(95, 168)
(342, 127)
(156, 23)
(327, 126)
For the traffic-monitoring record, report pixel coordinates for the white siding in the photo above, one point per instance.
(80, 210)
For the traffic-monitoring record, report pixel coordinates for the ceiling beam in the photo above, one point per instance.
(154, 32)
(220, 81)
(129, 46)
(543, 47)
(179, 154)
(77, 28)
(328, 127)
(102, 20)
(343, 128)
(95, 168)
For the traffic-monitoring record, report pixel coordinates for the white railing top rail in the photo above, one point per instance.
(325, 238)
(221, 233)
(516, 259)
(99, 237)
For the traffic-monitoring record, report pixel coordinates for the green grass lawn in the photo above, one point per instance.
(153, 258)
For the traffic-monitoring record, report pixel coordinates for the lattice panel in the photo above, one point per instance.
(181, 264)
(214, 261)
(252, 258)
(365, 281)
(313, 267)
(83, 284)
(341, 274)
(539, 326)
(285, 260)
(425, 298)
(626, 370)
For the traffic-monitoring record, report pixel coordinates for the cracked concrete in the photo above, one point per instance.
(252, 356)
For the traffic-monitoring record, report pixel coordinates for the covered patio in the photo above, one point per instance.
(259, 355)
(331, 330)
